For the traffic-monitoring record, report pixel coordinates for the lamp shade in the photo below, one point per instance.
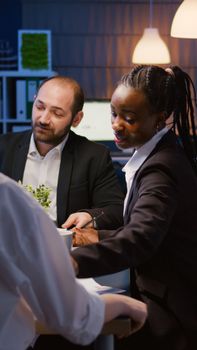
(184, 24)
(151, 49)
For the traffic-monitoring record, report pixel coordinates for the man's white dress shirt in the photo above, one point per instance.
(41, 170)
(138, 158)
(36, 276)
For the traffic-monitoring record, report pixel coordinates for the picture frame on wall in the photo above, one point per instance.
(34, 51)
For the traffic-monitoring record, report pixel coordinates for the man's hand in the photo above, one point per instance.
(78, 219)
(84, 236)
(121, 305)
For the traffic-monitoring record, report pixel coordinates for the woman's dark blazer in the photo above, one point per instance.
(158, 240)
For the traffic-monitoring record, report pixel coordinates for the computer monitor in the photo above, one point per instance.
(96, 123)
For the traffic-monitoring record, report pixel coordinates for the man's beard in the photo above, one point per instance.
(47, 136)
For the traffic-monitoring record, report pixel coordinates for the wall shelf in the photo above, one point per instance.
(17, 90)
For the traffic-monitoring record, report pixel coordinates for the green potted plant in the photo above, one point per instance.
(40, 193)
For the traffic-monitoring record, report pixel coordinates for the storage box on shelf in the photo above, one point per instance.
(17, 90)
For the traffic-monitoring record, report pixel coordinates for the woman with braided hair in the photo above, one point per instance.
(169, 91)
(152, 111)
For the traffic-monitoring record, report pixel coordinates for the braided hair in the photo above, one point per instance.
(170, 91)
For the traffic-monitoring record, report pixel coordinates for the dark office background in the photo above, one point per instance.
(10, 21)
(92, 41)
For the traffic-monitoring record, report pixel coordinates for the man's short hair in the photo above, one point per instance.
(78, 91)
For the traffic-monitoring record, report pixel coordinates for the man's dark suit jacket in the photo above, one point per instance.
(87, 179)
(158, 240)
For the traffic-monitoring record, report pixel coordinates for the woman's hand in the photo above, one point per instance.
(84, 236)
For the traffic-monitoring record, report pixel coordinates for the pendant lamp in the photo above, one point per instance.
(151, 49)
(184, 24)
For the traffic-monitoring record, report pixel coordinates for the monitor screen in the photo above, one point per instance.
(96, 123)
